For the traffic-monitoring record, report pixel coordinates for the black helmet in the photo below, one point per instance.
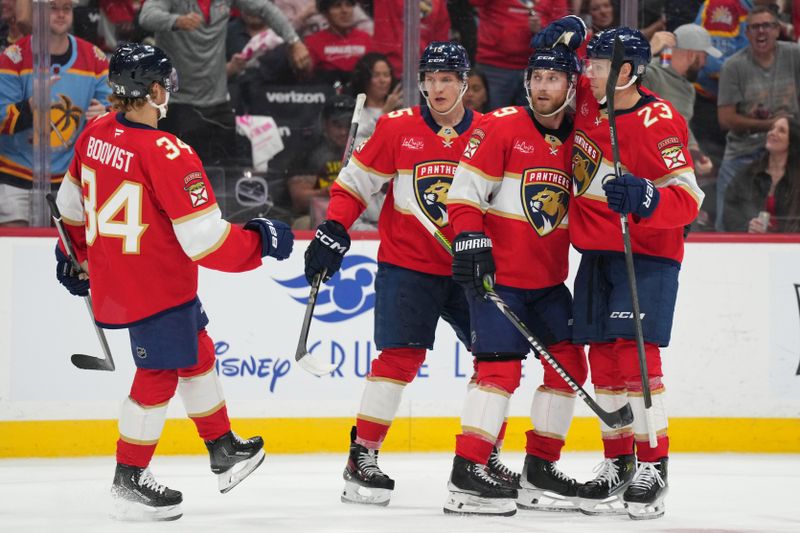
(445, 56)
(339, 107)
(135, 67)
(637, 49)
(559, 58)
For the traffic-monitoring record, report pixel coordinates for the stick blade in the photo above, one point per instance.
(315, 364)
(87, 362)
(619, 418)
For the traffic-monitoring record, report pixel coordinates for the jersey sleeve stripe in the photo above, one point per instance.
(201, 235)
(504, 214)
(370, 170)
(10, 122)
(70, 202)
(73, 179)
(686, 181)
(195, 214)
(479, 172)
(462, 201)
(350, 191)
(216, 246)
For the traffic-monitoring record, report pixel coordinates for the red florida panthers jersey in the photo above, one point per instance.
(137, 203)
(417, 158)
(513, 183)
(653, 144)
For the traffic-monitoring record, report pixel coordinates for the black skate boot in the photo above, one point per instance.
(234, 458)
(644, 497)
(364, 481)
(501, 472)
(139, 497)
(474, 492)
(603, 494)
(546, 488)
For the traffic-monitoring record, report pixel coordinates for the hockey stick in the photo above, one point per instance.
(315, 364)
(617, 57)
(617, 419)
(83, 361)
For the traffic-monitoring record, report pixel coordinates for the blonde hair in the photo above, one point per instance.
(124, 105)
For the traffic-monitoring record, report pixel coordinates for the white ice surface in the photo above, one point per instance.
(300, 493)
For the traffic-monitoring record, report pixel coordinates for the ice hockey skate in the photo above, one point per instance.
(501, 472)
(644, 497)
(546, 488)
(234, 458)
(474, 492)
(364, 481)
(139, 497)
(603, 494)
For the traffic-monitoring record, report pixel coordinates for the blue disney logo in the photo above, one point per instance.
(263, 367)
(349, 293)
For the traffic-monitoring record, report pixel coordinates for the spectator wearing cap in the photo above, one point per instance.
(192, 33)
(335, 50)
(317, 170)
(758, 85)
(673, 80)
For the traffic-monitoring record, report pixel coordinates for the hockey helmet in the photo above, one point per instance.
(559, 58)
(446, 56)
(135, 67)
(637, 49)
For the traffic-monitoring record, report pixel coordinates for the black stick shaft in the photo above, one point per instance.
(611, 84)
(98, 364)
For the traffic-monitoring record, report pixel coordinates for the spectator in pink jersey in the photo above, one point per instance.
(334, 51)
(505, 28)
(388, 16)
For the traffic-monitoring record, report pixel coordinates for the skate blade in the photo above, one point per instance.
(233, 476)
(460, 503)
(128, 511)
(609, 506)
(534, 499)
(355, 493)
(645, 511)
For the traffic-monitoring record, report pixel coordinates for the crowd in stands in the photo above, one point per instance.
(731, 67)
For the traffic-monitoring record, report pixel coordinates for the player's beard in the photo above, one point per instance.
(545, 108)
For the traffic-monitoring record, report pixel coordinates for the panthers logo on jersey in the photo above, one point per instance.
(545, 198)
(432, 181)
(586, 158)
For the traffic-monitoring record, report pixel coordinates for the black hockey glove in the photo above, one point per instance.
(631, 194)
(327, 250)
(569, 31)
(277, 239)
(472, 261)
(68, 276)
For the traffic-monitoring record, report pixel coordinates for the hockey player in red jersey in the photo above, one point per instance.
(415, 151)
(139, 208)
(658, 193)
(508, 206)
